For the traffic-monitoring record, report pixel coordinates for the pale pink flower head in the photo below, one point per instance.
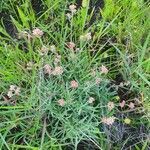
(53, 48)
(122, 104)
(37, 32)
(73, 8)
(127, 83)
(13, 90)
(57, 59)
(47, 69)
(91, 100)
(121, 84)
(77, 49)
(12, 87)
(43, 51)
(30, 65)
(98, 81)
(103, 69)
(86, 37)
(71, 45)
(110, 106)
(74, 84)
(69, 16)
(10, 94)
(61, 102)
(17, 91)
(131, 105)
(108, 120)
(58, 70)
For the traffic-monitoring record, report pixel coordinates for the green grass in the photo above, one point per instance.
(120, 41)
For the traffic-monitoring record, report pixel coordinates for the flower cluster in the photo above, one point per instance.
(86, 37)
(71, 45)
(29, 65)
(72, 8)
(110, 106)
(58, 70)
(57, 59)
(103, 69)
(108, 120)
(43, 51)
(61, 102)
(74, 84)
(37, 32)
(13, 90)
(91, 100)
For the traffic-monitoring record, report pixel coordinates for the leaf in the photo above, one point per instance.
(23, 18)
(85, 3)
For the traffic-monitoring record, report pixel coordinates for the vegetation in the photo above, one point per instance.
(74, 75)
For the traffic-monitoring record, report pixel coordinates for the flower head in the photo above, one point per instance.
(86, 37)
(69, 16)
(13, 90)
(10, 94)
(71, 45)
(61, 102)
(98, 81)
(43, 51)
(74, 84)
(103, 69)
(91, 100)
(58, 70)
(30, 65)
(110, 106)
(122, 104)
(73, 8)
(131, 105)
(57, 59)
(12, 87)
(37, 32)
(108, 121)
(47, 69)
(53, 48)
(127, 121)
(17, 91)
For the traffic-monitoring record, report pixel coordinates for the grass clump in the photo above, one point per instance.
(73, 76)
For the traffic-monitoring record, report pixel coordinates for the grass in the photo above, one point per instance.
(117, 39)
